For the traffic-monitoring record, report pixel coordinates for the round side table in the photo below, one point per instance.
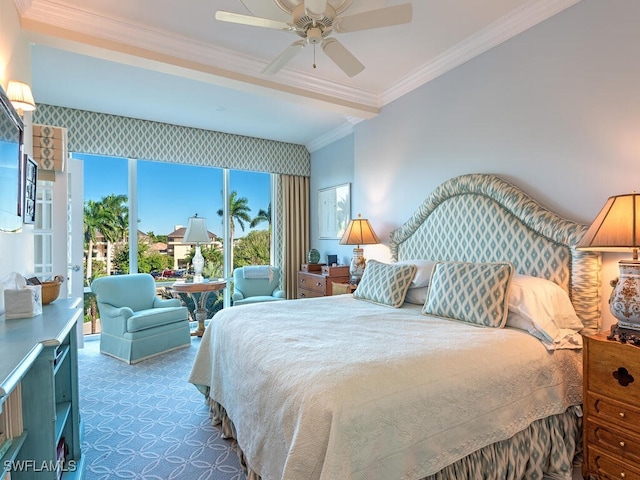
(204, 289)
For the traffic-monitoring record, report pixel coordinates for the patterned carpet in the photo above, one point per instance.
(145, 421)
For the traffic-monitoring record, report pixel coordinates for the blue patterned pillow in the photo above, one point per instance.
(471, 292)
(384, 283)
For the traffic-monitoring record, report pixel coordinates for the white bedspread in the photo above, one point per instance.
(335, 387)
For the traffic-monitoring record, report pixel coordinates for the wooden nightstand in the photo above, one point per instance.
(611, 409)
(316, 284)
(341, 288)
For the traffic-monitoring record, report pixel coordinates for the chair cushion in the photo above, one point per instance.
(154, 317)
(256, 299)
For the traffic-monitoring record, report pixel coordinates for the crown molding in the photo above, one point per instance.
(500, 31)
(334, 135)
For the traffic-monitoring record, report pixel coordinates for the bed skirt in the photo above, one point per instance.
(549, 446)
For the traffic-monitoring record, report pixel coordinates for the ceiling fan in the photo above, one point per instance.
(315, 21)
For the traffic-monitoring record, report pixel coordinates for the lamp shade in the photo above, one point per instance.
(21, 97)
(359, 232)
(196, 230)
(616, 228)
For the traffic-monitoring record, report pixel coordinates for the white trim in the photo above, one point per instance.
(243, 68)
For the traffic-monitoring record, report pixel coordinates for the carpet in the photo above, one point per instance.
(145, 421)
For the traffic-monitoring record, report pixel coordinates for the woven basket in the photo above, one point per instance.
(51, 290)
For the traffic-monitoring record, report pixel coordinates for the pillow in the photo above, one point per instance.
(417, 295)
(385, 284)
(423, 272)
(471, 292)
(565, 339)
(544, 305)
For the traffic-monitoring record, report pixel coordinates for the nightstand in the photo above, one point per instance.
(338, 288)
(611, 409)
(317, 284)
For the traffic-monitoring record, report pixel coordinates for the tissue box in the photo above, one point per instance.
(23, 303)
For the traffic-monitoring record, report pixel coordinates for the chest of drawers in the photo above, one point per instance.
(611, 409)
(316, 284)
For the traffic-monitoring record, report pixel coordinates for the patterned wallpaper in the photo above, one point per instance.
(103, 134)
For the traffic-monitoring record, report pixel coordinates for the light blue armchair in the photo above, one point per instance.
(256, 283)
(136, 323)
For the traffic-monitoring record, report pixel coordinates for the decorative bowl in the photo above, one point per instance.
(51, 290)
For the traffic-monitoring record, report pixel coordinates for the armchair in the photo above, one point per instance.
(256, 283)
(136, 323)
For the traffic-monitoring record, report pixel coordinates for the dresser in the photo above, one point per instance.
(318, 284)
(40, 362)
(611, 409)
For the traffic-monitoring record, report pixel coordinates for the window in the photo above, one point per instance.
(163, 197)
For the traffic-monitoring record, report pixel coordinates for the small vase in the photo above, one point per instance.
(313, 256)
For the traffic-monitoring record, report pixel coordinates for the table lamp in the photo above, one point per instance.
(197, 233)
(616, 229)
(358, 232)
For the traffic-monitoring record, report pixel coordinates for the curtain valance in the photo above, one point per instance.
(112, 135)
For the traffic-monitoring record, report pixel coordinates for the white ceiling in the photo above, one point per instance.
(171, 61)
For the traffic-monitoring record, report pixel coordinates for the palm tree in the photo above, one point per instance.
(263, 216)
(117, 205)
(238, 212)
(96, 219)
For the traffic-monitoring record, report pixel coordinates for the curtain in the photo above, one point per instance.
(291, 236)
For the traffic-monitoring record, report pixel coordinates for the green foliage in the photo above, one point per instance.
(253, 249)
(147, 260)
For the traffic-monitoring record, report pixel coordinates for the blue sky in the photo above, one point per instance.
(168, 194)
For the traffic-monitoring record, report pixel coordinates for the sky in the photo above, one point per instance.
(168, 194)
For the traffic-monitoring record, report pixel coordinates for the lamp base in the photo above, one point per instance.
(356, 268)
(198, 265)
(624, 302)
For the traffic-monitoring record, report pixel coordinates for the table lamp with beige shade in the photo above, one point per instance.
(358, 232)
(617, 229)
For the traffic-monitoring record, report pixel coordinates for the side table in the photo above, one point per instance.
(204, 289)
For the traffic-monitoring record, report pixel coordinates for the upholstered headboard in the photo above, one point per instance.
(482, 218)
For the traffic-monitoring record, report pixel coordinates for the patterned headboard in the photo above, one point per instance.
(482, 218)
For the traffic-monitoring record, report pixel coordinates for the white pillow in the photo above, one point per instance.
(423, 272)
(417, 295)
(565, 339)
(544, 304)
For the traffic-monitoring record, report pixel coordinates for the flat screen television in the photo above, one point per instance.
(11, 146)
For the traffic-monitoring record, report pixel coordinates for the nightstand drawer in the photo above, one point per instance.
(613, 412)
(313, 283)
(614, 371)
(619, 443)
(607, 467)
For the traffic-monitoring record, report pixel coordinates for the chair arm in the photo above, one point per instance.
(279, 294)
(237, 295)
(114, 319)
(166, 302)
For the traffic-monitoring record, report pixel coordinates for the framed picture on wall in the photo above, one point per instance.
(30, 169)
(334, 210)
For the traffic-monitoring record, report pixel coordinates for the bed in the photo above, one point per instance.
(371, 386)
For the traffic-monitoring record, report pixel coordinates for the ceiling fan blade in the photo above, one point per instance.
(315, 8)
(282, 59)
(383, 17)
(342, 57)
(253, 21)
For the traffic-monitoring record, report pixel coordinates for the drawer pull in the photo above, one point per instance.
(304, 280)
(318, 284)
(623, 376)
(623, 475)
(622, 444)
(621, 414)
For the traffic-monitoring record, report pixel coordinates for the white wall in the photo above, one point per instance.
(16, 249)
(555, 111)
(330, 166)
